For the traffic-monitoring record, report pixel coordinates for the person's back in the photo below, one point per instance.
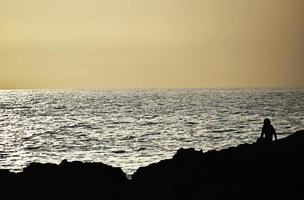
(268, 131)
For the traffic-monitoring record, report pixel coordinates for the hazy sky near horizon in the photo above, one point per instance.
(151, 43)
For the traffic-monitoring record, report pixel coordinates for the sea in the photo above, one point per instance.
(134, 128)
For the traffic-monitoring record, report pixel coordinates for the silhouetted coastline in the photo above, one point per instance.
(249, 171)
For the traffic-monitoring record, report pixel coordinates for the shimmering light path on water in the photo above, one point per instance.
(134, 128)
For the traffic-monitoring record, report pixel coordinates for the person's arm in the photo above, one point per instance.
(262, 133)
(275, 134)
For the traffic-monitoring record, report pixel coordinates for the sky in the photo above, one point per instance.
(109, 44)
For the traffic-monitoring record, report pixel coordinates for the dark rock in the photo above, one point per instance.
(249, 171)
(69, 180)
(255, 171)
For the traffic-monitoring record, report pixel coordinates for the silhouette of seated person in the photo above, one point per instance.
(268, 132)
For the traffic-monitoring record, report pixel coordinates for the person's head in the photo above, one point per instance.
(267, 122)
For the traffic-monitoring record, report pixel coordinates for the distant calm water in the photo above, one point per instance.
(134, 128)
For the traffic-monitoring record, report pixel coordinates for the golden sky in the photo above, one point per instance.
(151, 43)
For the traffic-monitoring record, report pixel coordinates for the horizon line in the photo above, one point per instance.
(159, 88)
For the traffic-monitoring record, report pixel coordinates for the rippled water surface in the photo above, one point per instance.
(130, 129)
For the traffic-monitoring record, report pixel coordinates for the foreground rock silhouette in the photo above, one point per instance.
(249, 171)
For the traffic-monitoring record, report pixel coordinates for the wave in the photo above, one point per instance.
(119, 151)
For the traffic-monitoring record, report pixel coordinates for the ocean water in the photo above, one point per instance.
(133, 128)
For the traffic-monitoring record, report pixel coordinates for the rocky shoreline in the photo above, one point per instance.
(249, 171)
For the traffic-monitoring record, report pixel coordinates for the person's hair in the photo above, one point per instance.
(267, 121)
